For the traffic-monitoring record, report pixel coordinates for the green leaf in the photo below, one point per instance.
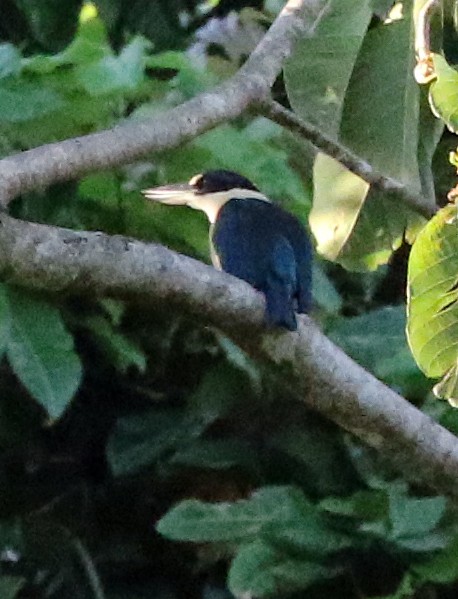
(237, 358)
(355, 226)
(430, 133)
(328, 58)
(40, 351)
(432, 326)
(261, 571)
(223, 387)
(268, 508)
(120, 350)
(10, 586)
(140, 440)
(310, 535)
(441, 568)
(337, 193)
(443, 93)
(364, 505)
(317, 455)
(111, 73)
(325, 294)
(10, 60)
(377, 341)
(413, 517)
(89, 45)
(22, 101)
(380, 121)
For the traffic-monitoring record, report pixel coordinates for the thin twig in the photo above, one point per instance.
(276, 112)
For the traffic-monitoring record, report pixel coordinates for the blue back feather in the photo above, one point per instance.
(262, 244)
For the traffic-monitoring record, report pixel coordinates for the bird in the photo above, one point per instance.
(251, 238)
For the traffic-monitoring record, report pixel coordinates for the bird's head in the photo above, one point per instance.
(207, 192)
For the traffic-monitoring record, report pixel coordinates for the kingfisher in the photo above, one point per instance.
(251, 238)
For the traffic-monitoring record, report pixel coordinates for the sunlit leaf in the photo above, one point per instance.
(433, 293)
(355, 226)
(443, 93)
(318, 73)
(381, 108)
(337, 200)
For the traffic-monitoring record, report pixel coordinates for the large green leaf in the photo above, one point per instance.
(443, 93)
(355, 226)
(432, 326)
(40, 351)
(380, 116)
(318, 73)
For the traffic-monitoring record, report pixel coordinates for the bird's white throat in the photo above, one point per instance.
(212, 203)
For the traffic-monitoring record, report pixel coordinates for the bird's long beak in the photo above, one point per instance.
(178, 194)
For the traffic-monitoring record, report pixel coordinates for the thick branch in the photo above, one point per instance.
(72, 158)
(345, 156)
(316, 371)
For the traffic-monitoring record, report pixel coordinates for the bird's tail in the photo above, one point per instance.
(280, 305)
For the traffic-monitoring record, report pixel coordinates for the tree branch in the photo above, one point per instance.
(69, 159)
(276, 112)
(314, 369)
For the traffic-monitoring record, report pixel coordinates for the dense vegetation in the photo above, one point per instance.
(143, 454)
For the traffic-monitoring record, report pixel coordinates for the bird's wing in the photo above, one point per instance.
(281, 284)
